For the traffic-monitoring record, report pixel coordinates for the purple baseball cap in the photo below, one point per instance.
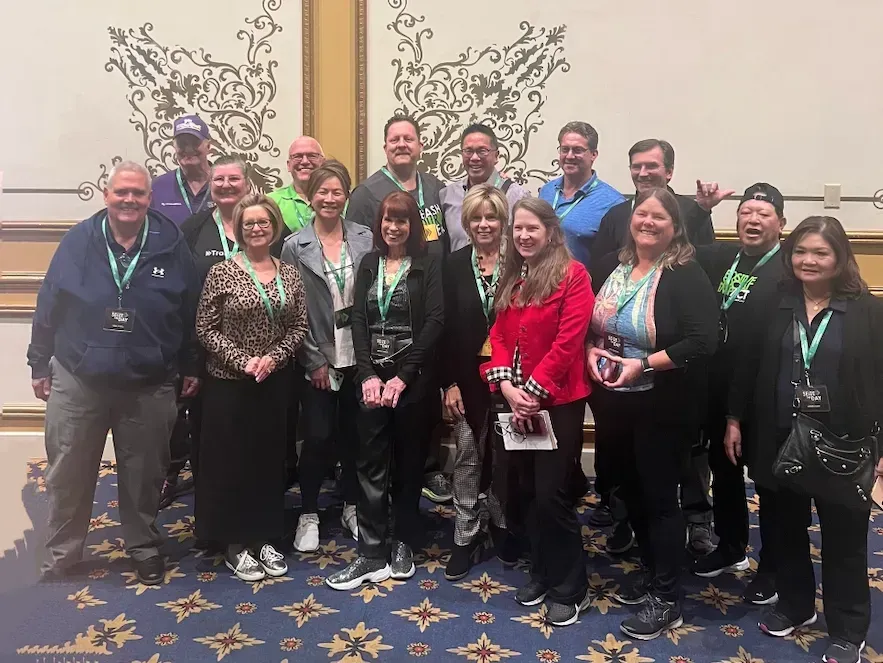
(190, 124)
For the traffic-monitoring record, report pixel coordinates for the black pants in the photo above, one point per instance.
(646, 458)
(695, 483)
(537, 490)
(330, 426)
(299, 384)
(392, 450)
(769, 541)
(730, 504)
(846, 591)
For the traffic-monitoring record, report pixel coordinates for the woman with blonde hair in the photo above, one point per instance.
(251, 319)
(654, 322)
(543, 307)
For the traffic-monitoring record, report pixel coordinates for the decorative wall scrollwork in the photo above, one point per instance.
(234, 99)
(501, 86)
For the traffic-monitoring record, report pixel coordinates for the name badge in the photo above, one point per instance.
(119, 320)
(382, 346)
(430, 230)
(613, 343)
(343, 318)
(813, 399)
(486, 350)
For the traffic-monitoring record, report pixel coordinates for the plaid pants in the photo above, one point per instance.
(467, 478)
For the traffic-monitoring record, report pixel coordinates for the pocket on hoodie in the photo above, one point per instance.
(120, 362)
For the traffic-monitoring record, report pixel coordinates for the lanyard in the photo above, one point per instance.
(731, 272)
(184, 194)
(339, 273)
(576, 201)
(122, 283)
(227, 252)
(626, 295)
(487, 296)
(809, 353)
(420, 203)
(302, 220)
(383, 302)
(260, 286)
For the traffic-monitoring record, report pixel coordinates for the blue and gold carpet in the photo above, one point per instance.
(202, 613)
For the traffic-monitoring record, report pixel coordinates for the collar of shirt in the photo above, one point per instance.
(492, 178)
(118, 249)
(290, 193)
(585, 188)
(794, 302)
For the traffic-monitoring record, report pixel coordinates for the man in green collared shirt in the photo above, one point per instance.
(304, 156)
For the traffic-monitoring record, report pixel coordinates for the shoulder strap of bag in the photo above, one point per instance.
(796, 363)
(506, 184)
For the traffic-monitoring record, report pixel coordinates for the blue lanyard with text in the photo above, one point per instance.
(582, 195)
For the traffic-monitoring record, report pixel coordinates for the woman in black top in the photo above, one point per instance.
(397, 322)
(842, 324)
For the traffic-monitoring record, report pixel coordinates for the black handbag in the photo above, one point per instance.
(816, 462)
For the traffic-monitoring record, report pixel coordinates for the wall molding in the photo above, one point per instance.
(34, 231)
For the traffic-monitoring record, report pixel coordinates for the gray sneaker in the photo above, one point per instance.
(272, 561)
(565, 614)
(402, 566)
(699, 539)
(364, 569)
(437, 488)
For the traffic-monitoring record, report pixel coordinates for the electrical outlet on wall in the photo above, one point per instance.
(832, 196)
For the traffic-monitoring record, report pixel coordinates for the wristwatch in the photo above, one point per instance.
(645, 365)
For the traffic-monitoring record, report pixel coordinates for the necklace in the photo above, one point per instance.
(816, 302)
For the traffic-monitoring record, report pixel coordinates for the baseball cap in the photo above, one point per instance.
(767, 193)
(190, 124)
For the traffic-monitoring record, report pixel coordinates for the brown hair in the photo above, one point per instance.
(668, 152)
(331, 168)
(584, 129)
(680, 251)
(257, 200)
(400, 205)
(551, 264)
(847, 281)
(395, 119)
(478, 196)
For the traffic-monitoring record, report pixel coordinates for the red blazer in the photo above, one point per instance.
(551, 338)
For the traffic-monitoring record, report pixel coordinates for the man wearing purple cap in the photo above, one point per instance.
(183, 192)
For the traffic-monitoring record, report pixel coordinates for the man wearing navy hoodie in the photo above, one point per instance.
(113, 330)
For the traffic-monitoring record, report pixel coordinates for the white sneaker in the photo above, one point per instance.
(306, 538)
(245, 567)
(349, 520)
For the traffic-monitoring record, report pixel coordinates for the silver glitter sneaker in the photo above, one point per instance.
(402, 561)
(245, 567)
(364, 569)
(272, 561)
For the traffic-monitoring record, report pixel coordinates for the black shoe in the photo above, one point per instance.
(151, 571)
(601, 517)
(56, 574)
(761, 591)
(776, 624)
(167, 496)
(291, 478)
(565, 614)
(636, 593)
(699, 541)
(533, 593)
(622, 539)
(437, 488)
(654, 619)
(840, 651)
(461, 560)
(505, 546)
(716, 563)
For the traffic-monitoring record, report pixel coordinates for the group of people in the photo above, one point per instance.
(199, 321)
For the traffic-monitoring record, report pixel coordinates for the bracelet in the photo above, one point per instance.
(645, 365)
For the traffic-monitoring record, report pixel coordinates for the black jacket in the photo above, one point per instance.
(614, 227)
(858, 395)
(417, 369)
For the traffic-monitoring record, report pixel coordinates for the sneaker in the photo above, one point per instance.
(169, 490)
(245, 567)
(561, 614)
(349, 520)
(461, 560)
(306, 538)
(840, 651)
(363, 569)
(761, 591)
(150, 571)
(776, 624)
(272, 561)
(699, 541)
(654, 619)
(437, 488)
(533, 593)
(505, 545)
(716, 563)
(622, 539)
(402, 565)
(636, 593)
(601, 517)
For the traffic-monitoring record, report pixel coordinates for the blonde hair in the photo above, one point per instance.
(478, 196)
(257, 200)
(551, 265)
(680, 251)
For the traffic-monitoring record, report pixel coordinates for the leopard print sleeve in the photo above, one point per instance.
(209, 315)
(294, 317)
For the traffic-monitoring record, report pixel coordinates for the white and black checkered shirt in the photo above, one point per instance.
(516, 377)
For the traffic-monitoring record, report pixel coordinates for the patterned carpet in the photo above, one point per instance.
(202, 613)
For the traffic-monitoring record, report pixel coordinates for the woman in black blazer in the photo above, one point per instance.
(397, 318)
(826, 296)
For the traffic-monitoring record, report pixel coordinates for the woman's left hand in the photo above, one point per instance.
(266, 365)
(631, 371)
(391, 392)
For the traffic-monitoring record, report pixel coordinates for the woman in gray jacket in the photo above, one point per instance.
(327, 253)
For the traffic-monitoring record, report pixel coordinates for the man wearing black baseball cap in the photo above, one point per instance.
(747, 276)
(183, 192)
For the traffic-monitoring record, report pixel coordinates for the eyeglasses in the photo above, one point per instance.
(235, 180)
(578, 152)
(481, 151)
(263, 224)
(312, 157)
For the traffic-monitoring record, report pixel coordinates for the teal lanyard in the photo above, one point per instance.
(577, 199)
(627, 294)
(228, 253)
(498, 182)
(486, 295)
(262, 292)
(384, 301)
(123, 282)
(731, 272)
(420, 203)
(809, 349)
(184, 193)
(339, 273)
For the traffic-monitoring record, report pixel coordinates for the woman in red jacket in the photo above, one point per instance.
(544, 306)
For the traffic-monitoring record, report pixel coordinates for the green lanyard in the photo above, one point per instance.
(576, 201)
(302, 220)
(262, 292)
(487, 296)
(383, 302)
(339, 273)
(227, 252)
(731, 272)
(498, 182)
(184, 193)
(420, 203)
(123, 282)
(626, 295)
(809, 353)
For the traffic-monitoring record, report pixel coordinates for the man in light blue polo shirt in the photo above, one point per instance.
(579, 196)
